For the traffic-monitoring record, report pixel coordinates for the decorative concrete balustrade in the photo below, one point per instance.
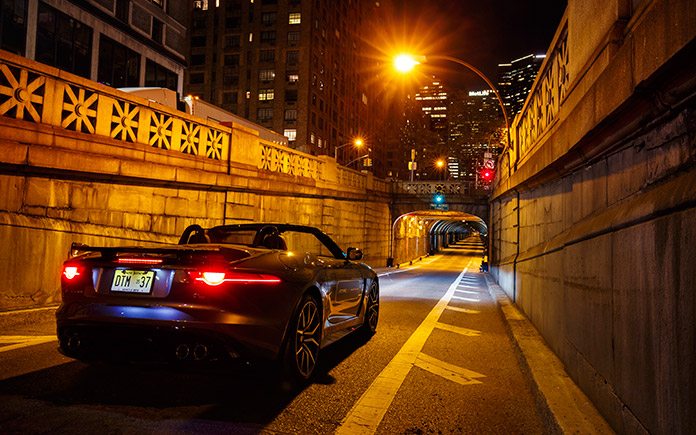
(33, 92)
(542, 106)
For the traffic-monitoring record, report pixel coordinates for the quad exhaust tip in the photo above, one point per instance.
(197, 352)
(182, 351)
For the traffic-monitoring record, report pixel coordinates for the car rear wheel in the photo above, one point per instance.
(304, 340)
(372, 310)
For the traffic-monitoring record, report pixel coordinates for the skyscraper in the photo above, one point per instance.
(121, 43)
(292, 66)
(475, 119)
(515, 79)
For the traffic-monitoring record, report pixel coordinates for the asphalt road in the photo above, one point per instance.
(441, 362)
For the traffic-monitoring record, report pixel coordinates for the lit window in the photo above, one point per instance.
(290, 133)
(293, 77)
(266, 95)
(294, 18)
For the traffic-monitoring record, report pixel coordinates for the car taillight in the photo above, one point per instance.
(215, 278)
(139, 260)
(70, 272)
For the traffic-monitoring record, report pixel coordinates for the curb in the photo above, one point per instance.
(564, 406)
(18, 318)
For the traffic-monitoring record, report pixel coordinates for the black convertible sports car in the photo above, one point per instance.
(233, 292)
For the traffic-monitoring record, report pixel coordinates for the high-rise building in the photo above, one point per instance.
(515, 80)
(433, 102)
(289, 65)
(121, 43)
(474, 123)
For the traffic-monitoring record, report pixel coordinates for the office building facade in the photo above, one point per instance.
(293, 66)
(120, 43)
(515, 80)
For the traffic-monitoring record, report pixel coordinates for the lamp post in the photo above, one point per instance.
(440, 164)
(405, 63)
(359, 158)
(357, 143)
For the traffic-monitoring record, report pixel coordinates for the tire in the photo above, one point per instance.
(371, 311)
(303, 341)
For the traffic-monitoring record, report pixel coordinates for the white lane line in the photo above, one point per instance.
(466, 299)
(369, 410)
(397, 271)
(19, 341)
(462, 310)
(469, 292)
(448, 371)
(458, 329)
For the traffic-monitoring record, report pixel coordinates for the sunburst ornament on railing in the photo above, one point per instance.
(190, 133)
(78, 113)
(161, 131)
(124, 125)
(21, 93)
(214, 144)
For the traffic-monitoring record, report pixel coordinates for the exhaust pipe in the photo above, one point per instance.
(182, 351)
(200, 352)
(73, 343)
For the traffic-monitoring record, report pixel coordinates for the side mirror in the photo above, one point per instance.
(354, 254)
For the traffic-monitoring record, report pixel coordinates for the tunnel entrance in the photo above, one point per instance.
(425, 232)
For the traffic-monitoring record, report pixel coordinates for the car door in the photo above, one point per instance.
(348, 288)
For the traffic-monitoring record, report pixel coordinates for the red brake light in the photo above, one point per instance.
(213, 279)
(131, 260)
(71, 272)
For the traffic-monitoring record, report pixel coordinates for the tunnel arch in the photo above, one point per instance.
(433, 230)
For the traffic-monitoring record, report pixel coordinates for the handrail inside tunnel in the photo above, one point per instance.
(442, 228)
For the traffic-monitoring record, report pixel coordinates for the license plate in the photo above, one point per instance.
(132, 281)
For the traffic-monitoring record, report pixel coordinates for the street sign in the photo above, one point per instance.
(489, 164)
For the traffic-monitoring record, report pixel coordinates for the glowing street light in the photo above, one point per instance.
(358, 142)
(405, 63)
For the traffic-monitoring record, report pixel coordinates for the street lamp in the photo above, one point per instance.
(440, 164)
(357, 143)
(406, 62)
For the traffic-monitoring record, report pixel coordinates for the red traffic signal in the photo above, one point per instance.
(487, 175)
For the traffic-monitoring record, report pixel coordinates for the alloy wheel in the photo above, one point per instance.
(307, 338)
(372, 313)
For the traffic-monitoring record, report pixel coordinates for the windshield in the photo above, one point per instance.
(295, 238)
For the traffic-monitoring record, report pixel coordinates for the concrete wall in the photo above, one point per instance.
(593, 230)
(84, 162)
(41, 215)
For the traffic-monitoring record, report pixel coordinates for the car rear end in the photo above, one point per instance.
(192, 303)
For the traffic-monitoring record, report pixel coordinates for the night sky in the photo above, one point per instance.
(483, 33)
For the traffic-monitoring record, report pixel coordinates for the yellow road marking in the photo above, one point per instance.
(458, 329)
(448, 371)
(369, 410)
(19, 341)
(462, 310)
